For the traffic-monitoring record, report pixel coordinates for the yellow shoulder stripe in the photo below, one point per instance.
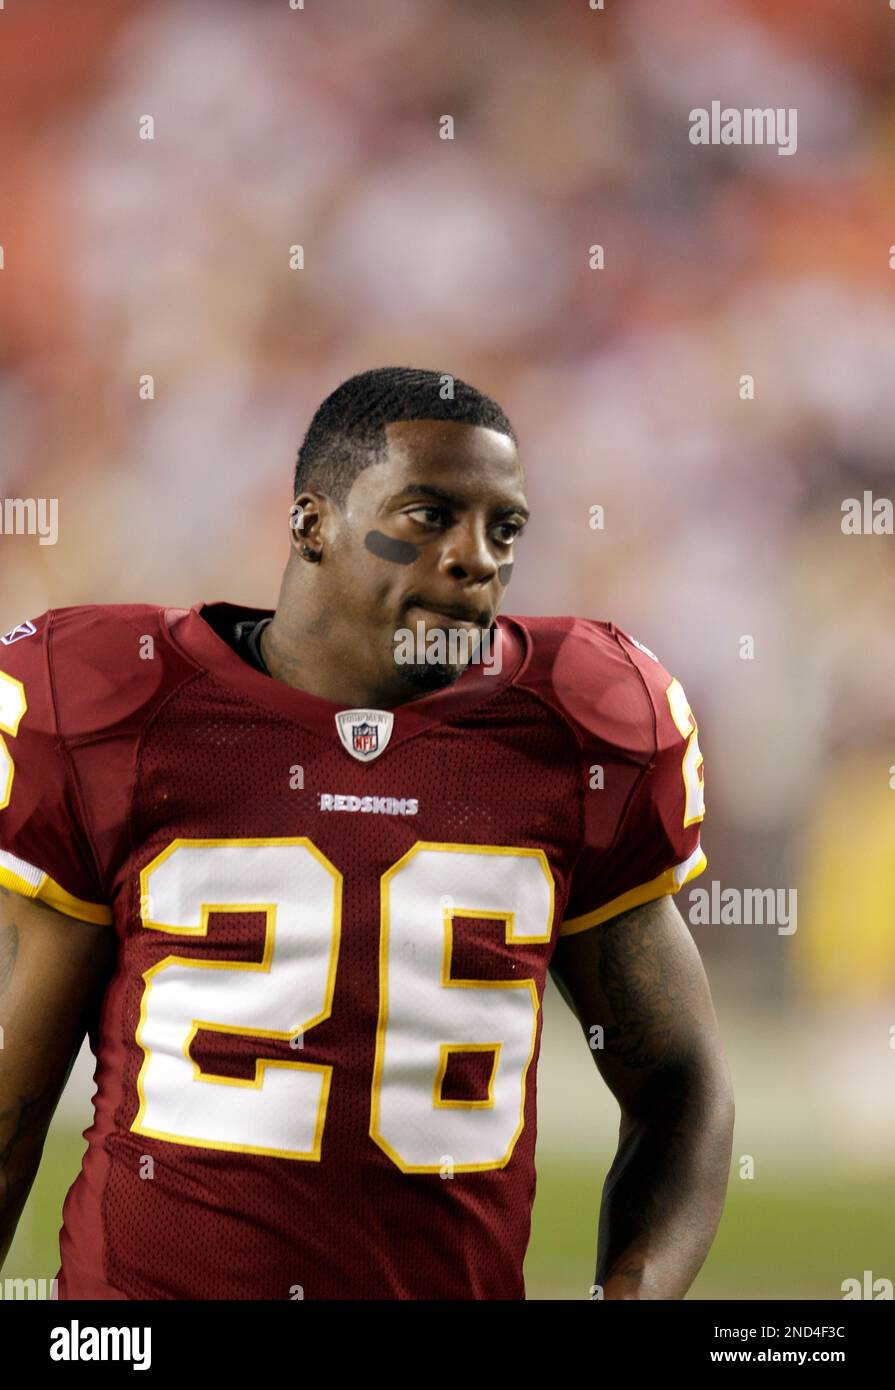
(47, 890)
(668, 882)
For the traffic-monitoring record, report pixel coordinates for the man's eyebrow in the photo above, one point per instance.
(451, 499)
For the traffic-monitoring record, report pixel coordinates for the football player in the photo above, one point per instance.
(303, 897)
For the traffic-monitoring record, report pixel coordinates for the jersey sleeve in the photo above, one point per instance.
(656, 847)
(45, 849)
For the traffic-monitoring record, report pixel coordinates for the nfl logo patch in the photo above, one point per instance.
(365, 738)
(365, 732)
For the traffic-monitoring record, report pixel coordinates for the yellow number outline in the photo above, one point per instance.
(448, 983)
(262, 1064)
(11, 727)
(681, 713)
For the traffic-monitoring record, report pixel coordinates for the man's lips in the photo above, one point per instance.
(456, 617)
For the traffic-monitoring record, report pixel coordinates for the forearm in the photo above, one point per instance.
(51, 974)
(663, 1195)
(20, 1151)
(27, 1104)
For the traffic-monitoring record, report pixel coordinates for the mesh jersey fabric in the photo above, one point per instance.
(391, 1154)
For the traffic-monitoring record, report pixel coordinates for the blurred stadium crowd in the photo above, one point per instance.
(320, 128)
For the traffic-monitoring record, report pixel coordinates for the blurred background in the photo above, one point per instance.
(275, 128)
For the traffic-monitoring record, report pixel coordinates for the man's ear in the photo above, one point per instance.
(306, 518)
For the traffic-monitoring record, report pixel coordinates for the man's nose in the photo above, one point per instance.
(466, 553)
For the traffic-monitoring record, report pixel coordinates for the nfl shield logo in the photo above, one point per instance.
(365, 738)
(365, 732)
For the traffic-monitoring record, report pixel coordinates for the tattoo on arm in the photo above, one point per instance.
(9, 949)
(9, 946)
(642, 988)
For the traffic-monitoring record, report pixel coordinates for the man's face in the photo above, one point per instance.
(427, 536)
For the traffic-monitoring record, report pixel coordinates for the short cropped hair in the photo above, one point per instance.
(347, 433)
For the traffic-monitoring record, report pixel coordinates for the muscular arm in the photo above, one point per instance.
(640, 977)
(52, 969)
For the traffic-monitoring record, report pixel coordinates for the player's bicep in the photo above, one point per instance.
(52, 970)
(639, 990)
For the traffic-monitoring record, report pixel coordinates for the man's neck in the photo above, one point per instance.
(285, 661)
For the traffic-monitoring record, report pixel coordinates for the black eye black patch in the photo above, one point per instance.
(405, 552)
(399, 552)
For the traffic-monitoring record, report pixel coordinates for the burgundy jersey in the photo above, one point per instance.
(316, 1056)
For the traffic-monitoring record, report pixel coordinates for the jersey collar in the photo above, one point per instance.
(195, 636)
